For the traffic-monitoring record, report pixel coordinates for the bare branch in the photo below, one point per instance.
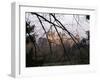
(45, 33)
(66, 30)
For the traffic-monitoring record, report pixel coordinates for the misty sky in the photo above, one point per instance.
(69, 21)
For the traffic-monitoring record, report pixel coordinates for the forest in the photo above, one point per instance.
(54, 39)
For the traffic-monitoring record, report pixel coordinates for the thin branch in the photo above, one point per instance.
(66, 30)
(46, 20)
(45, 33)
(61, 42)
(77, 22)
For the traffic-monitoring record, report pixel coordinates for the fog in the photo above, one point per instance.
(75, 24)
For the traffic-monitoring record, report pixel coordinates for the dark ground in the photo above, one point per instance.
(43, 57)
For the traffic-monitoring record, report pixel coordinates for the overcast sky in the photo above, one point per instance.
(69, 21)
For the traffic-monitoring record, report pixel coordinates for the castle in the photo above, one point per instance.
(54, 38)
